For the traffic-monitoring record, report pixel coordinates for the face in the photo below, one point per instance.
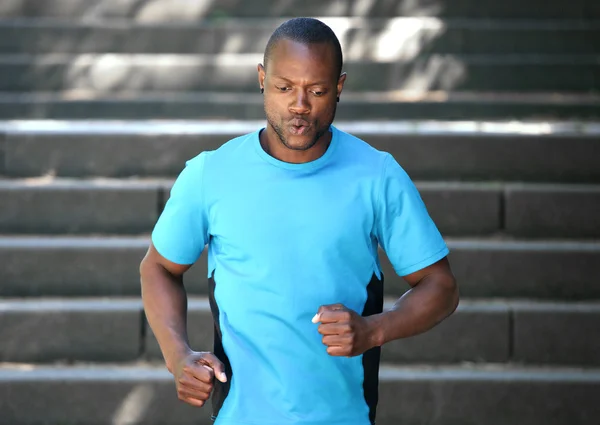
(301, 89)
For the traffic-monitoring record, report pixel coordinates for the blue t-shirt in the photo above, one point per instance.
(284, 239)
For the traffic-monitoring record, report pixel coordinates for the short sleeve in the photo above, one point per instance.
(404, 228)
(181, 231)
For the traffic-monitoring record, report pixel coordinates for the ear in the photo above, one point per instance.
(261, 75)
(340, 84)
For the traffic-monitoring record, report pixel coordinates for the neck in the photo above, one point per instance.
(271, 143)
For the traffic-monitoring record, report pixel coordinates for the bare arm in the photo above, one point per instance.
(432, 298)
(165, 304)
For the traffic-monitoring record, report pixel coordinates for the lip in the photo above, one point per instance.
(299, 127)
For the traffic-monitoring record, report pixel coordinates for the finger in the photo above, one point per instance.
(334, 328)
(185, 392)
(199, 372)
(194, 384)
(215, 364)
(334, 316)
(323, 308)
(194, 402)
(338, 351)
(337, 341)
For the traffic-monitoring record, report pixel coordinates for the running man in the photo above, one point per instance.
(292, 216)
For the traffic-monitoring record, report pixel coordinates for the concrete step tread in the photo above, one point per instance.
(119, 241)
(201, 303)
(235, 127)
(157, 371)
(145, 183)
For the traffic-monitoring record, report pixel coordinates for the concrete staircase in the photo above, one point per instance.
(517, 201)
(436, 59)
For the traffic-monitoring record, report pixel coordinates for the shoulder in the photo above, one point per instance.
(229, 151)
(379, 165)
(361, 152)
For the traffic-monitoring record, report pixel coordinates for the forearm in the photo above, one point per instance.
(418, 310)
(165, 305)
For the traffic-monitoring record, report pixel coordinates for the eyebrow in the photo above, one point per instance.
(317, 83)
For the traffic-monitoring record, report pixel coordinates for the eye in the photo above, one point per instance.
(283, 89)
(318, 93)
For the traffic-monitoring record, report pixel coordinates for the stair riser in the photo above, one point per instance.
(544, 270)
(424, 157)
(108, 74)
(522, 211)
(199, 109)
(362, 40)
(407, 400)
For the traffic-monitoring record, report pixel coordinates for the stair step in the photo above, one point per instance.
(67, 206)
(194, 10)
(360, 38)
(137, 394)
(249, 106)
(132, 206)
(108, 266)
(114, 73)
(469, 150)
(45, 330)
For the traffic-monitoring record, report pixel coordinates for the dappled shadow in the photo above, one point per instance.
(186, 49)
(167, 10)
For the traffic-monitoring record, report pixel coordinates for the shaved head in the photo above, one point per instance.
(306, 31)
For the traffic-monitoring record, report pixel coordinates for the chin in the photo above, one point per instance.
(300, 143)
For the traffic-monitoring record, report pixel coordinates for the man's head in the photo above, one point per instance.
(302, 81)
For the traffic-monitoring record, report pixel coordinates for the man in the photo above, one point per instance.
(293, 215)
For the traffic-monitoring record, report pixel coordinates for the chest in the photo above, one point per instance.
(293, 213)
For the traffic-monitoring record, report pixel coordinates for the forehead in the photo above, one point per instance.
(294, 60)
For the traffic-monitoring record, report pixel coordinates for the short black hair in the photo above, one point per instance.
(305, 31)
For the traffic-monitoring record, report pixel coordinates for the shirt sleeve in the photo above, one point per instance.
(181, 231)
(404, 228)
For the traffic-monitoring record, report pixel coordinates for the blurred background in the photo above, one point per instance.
(493, 108)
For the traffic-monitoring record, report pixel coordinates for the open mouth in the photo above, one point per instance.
(299, 127)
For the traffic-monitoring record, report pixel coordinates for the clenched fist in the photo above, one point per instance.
(194, 375)
(345, 332)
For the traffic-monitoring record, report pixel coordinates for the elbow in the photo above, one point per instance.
(447, 294)
(454, 295)
(142, 268)
(145, 268)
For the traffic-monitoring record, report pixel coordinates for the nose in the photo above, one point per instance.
(300, 105)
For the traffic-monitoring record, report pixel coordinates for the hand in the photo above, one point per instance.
(345, 332)
(194, 376)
